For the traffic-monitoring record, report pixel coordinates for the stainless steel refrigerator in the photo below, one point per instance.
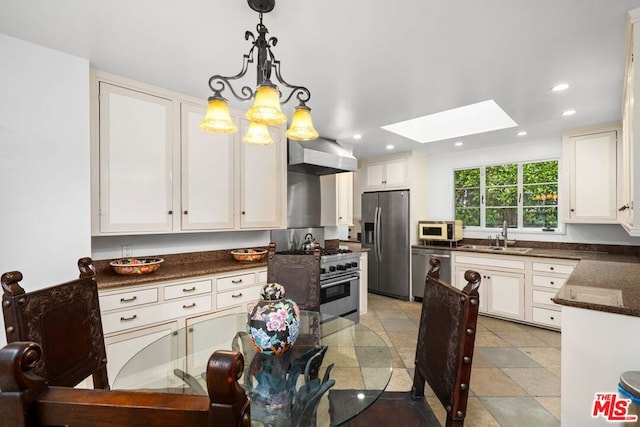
(385, 228)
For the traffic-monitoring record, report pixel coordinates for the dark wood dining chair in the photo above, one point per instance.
(27, 400)
(444, 354)
(65, 320)
(299, 274)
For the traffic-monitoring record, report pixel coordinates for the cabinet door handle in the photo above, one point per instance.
(191, 289)
(125, 300)
(170, 212)
(237, 281)
(126, 319)
(236, 295)
(193, 304)
(186, 212)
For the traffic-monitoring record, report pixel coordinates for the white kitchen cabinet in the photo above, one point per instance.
(153, 170)
(123, 346)
(629, 158)
(208, 174)
(262, 183)
(135, 316)
(589, 159)
(364, 283)
(136, 133)
(502, 286)
(547, 276)
(337, 199)
(386, 174)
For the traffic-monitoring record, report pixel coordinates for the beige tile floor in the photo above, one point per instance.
(515, 378)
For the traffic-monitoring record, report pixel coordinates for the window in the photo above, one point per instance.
(523, 194)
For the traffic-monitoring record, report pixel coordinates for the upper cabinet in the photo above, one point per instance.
(386, 174)
(135, 161)
(337, 199)
(208, 174)
(263, 181)
(590, 175)
(630, 154)
(155, 171)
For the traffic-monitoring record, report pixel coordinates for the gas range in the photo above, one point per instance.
(333, 262)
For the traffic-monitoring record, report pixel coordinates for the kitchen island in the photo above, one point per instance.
(600, 323)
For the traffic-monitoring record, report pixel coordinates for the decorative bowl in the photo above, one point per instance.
(131, 266)
(249, 255)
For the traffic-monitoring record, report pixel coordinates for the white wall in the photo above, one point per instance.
(440, 190)
(44, 163)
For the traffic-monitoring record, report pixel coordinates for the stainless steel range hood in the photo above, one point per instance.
(320, 156)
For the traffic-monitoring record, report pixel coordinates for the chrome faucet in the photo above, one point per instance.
(505, 232)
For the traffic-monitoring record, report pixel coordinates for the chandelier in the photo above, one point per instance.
(266, 109)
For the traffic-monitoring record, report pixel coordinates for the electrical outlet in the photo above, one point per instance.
(126, 251)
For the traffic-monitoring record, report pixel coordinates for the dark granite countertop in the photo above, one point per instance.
(607, 277)
(608, 286)
(175, 267)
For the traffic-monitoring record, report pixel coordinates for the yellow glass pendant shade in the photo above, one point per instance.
(301, 128)
(217, 119)
(266, 108)
(257, 134)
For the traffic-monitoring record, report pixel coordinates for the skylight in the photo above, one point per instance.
(471, 119)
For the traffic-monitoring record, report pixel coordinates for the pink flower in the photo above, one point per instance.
(277, 320)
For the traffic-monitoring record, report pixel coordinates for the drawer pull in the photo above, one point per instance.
(193, 304)
(191, 289)
(126, 319)
(236, 295)
(551, 283)
(125, 300)
(551, 318)
(551, 268)
(237, 281)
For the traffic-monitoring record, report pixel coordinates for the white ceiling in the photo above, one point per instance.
(368, 63)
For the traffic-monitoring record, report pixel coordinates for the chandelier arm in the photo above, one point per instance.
(222, 82)
(302, 93)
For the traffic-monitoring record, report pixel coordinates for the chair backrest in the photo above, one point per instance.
(65, 320)
(299, 274)
(446, 340)
(27, 400)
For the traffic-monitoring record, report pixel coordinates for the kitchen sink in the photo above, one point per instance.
(487, 248)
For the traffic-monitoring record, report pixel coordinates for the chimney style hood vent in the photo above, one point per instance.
(320, 156)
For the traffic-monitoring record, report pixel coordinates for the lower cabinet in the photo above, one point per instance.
(501, 293)
(136, 316)
(364, 268)
(122, 347)
(519, 288)
(502, 289)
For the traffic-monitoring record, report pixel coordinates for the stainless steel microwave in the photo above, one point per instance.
(449, 231)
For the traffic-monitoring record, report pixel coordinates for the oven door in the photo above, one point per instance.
(339, 296)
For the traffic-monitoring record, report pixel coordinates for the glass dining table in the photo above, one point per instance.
(332, 356)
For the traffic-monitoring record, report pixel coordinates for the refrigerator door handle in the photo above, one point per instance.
(376, 231)
(379, 239)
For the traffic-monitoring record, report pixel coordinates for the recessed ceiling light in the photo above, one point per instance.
(357, 136)
(522, 133)
(471, 119)
(569, 113)
(459, 144)
(560, 87)
(390, 147)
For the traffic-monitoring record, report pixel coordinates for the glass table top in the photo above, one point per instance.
(330, 354)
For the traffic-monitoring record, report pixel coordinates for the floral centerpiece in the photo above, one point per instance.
(274, 322)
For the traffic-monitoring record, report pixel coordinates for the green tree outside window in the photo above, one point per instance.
(523, 194)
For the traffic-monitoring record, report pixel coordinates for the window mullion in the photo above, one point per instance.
(483, 197)
(520, 198)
